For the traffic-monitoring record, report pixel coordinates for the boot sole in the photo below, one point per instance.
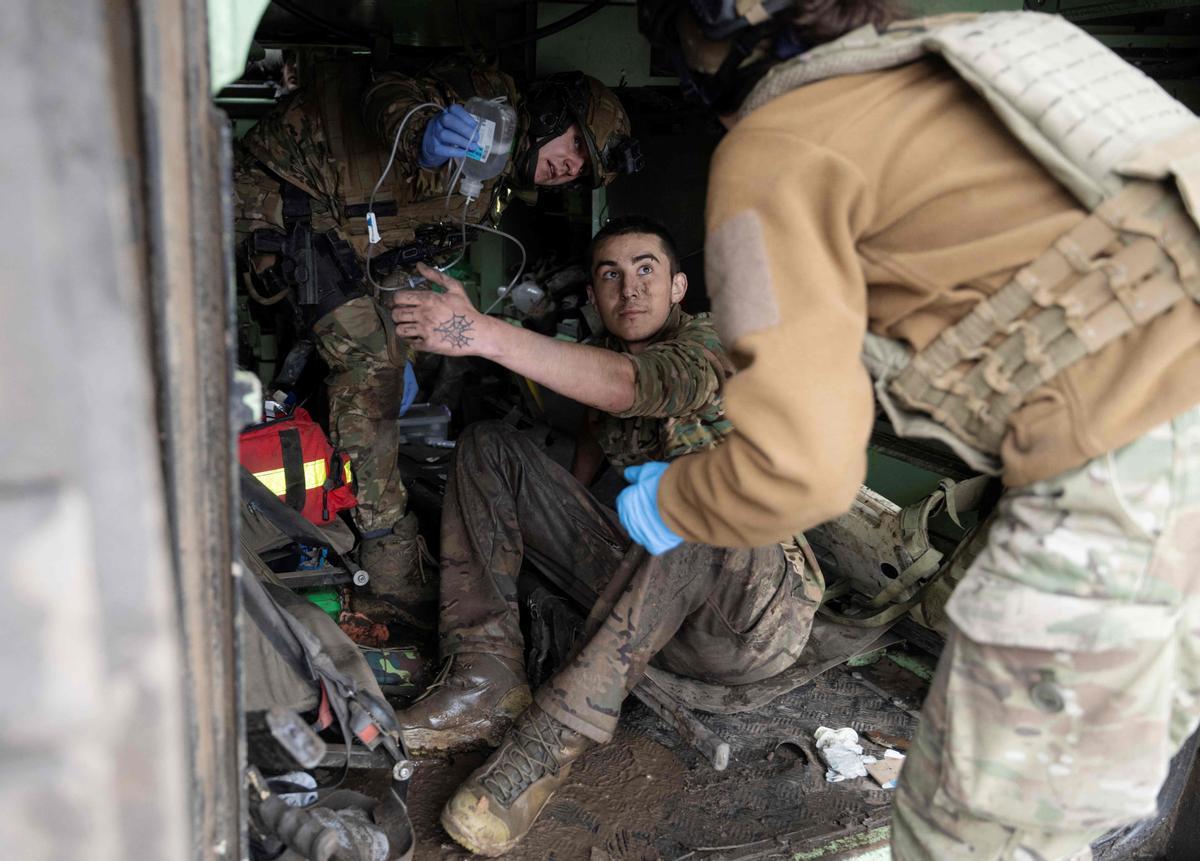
(475, 735)
(471, 737)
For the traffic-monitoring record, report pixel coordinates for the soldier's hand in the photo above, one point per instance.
(637, 508)
(444, 323)
(447, 136)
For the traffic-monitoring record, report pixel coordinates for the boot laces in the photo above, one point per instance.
(423, 556)
(440, 679)
(531, 755)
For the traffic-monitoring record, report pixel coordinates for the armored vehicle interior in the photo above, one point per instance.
(185, 80)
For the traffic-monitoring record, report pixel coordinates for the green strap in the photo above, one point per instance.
(925, 566)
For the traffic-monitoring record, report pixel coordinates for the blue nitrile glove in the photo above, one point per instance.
(637, 506)
(447, 136)
(410, 388)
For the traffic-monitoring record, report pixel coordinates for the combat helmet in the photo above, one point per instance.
(557, 102)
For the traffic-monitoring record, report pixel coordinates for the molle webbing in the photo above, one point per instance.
(1129, 261)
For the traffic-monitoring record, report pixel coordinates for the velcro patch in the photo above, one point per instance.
(738, 276)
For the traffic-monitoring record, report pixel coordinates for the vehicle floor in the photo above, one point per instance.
(648, 795)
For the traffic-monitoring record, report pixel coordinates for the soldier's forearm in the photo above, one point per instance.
(449, 324)
(593, 376)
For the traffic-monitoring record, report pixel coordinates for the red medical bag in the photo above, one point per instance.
(292, 457)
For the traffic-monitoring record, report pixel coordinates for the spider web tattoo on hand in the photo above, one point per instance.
(455, 331)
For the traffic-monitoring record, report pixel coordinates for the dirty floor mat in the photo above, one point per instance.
(647, 795)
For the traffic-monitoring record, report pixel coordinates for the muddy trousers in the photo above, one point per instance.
(365, 388)
(725, 616)
(1072, 673)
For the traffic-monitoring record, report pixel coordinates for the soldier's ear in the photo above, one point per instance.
(679, 286)
(591, 294)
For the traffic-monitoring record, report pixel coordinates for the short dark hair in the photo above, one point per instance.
(627, 224)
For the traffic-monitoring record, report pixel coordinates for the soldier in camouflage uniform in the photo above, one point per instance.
(1057, 715)
(304, 179)
(727, 616)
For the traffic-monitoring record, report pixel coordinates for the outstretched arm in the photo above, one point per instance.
(448, 324)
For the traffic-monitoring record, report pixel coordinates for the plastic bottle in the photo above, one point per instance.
(490, 145)
(526, 294)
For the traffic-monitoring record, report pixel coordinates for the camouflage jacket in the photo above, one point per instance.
(332, 139)
(677, 408)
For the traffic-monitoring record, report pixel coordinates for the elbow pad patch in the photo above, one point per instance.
(737, 273)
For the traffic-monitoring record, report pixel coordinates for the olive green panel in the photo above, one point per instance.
(434, 23)
(899, 481)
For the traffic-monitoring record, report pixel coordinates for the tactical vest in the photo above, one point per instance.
(1126, 149)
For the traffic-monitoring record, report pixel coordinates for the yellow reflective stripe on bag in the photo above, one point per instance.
(314, 476)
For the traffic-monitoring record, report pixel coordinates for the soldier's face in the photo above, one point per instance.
(633, 288)
(562, 159)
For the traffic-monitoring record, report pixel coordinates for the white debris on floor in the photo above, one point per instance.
(842, 753)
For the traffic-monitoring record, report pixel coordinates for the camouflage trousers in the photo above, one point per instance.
(365, 386)
(719, 615)
(1072, 673)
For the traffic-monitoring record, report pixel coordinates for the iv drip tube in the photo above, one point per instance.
(373, 230)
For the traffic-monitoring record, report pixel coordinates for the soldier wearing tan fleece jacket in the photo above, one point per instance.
(890, 201)
(895, 203)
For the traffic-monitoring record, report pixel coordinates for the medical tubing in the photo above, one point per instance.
(462, 251)
(466, 207)
(386, 170)
(454, 178)
(520, 269)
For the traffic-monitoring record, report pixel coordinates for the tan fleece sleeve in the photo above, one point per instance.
(789, 301)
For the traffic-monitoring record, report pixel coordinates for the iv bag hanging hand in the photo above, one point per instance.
(448, 135)
(489, 146)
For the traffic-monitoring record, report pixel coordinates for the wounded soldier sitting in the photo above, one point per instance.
(653, 383)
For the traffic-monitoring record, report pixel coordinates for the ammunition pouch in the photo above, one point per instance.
(1132, 259)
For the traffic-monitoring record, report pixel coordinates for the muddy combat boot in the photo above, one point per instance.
(472, 704)
(404, 582)
(499, 802)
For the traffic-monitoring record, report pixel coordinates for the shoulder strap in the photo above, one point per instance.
(1080, 109)
(863, 50)
(1087, 115)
